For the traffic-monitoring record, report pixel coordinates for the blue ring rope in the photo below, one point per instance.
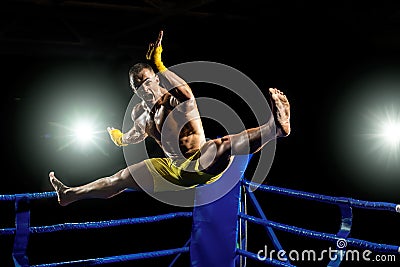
(106, 224)
(31, 196)
(7, 231)
(345, 204)
(39, 195)
(323, 198)
(116, 259)
(99, 224)
(322, 236)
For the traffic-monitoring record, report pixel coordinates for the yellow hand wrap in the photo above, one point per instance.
(155, 55)
(116, 136)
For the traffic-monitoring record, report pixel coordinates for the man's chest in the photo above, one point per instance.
(161, 120)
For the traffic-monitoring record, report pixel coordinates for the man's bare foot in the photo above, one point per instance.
(61, 190)
(281, 111)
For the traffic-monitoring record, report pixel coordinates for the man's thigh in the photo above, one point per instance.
(139, 177)
(215, 156)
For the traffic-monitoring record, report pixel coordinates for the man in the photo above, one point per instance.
(171, 117)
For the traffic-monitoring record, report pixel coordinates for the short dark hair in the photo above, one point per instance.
(134, 72)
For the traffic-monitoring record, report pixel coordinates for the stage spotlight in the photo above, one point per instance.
(391, 133)
(367, 132)
(384, 131)
(83, 132)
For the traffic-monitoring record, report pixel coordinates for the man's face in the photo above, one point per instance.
(146, 85)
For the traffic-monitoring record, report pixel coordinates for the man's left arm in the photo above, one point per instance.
(136, 134)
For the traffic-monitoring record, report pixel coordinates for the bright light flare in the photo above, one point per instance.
(391, 132)
(366, 135)
(84, 132)
(384, 133)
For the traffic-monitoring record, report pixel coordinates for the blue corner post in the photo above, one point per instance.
(215, 225)
(22, 223)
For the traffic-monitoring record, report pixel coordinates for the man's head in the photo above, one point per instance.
(144, 82)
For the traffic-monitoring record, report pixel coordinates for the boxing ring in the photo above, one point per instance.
(219, 229)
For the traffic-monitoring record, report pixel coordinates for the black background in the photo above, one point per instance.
(311, 51)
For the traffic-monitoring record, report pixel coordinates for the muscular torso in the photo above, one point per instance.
(175, 126)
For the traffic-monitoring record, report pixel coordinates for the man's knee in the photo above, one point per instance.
(223, 145)
(122, 174)
(125, 178)
(217, 155)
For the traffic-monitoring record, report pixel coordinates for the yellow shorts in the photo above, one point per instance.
(185, 173)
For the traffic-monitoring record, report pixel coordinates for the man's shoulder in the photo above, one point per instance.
(171, 100)
(138, 110)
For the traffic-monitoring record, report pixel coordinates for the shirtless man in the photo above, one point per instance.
(165, 115)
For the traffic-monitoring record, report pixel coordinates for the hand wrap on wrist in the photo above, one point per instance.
(155, 55)
(116, 137)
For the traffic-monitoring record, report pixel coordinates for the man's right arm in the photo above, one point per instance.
(177, 86)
